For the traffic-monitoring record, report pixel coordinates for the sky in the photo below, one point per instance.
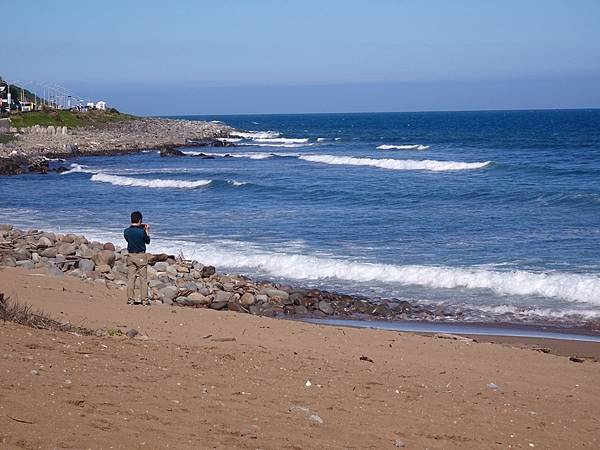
(154, 57)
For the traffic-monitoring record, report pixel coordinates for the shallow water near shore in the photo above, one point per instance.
(464, 329)
(493, 213)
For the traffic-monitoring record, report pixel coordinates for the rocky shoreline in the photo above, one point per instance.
(174, 280)
(31, 149)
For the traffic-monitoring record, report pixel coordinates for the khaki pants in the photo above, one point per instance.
(137, 267)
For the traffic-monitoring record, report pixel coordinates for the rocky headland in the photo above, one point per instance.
(30, 148)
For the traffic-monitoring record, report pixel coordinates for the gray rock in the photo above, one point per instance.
(85, 252)
(222, 296)
(276, 294)
(168, 293)
(207, 271)
(161, 266)
(325, 307)
(21, 254)
(104, 257)
(132, 333)
(218, 305)
(9, 261)
(86, 265)
(102, 268)
(45, 242)
(66, 249)
(301, 309)
(198, 299)
(399, 443)
(55, 271)
(155, 284)
(261, 298)
(25, 264)
(50, 252)
(247, 299)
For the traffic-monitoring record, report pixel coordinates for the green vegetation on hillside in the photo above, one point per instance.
(71, 119)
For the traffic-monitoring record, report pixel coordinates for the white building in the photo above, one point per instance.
(101, 105)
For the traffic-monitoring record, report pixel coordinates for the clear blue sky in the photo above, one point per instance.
(271, 56)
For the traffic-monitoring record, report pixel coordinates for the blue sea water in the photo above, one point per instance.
(497, 212)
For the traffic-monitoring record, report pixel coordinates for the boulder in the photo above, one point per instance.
(104, 257)
(195, 298)
(161, 266)
(109, 246)
(218, 305)
(86, 265)
(85, 252)
(325, 307)
(208, 271)
(26, 264)
(171, 152)
(222, 296)
(45, 242)
(167, 294)
(277, 293)
(102, 268)
(66, 249)
(247, 299)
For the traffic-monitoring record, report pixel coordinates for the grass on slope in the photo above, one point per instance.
(70, 119)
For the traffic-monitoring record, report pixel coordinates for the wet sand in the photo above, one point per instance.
(197, 378)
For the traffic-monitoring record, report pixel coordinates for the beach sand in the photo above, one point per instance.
(198, 378)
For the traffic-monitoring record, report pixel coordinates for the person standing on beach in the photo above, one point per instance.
(137, 236)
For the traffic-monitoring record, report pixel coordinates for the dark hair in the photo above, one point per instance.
(136, 217)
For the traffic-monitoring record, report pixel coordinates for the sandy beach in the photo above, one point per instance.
(197, 378)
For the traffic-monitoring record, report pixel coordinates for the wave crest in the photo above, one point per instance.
(153, 183)
(396, 164)
(403, 147)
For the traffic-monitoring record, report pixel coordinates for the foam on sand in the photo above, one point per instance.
(153, 183)
(403, 147)
(396, 164)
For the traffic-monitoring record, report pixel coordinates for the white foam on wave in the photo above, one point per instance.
(237, 183)
(153, 183)
(403, 147)
(290, 145)
(321, 139)
(539, 312)
(255, 134)
(225, 139)
(584, 288)
(396, 164)
(78, 168)
(281, 140)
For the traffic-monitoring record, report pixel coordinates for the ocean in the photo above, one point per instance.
(496, 213)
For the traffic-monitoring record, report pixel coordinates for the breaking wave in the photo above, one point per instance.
(281, 140)
(255, 134)
(78, 168)
(403, 147)
(154, 183)
(584, 288)
(396, 164)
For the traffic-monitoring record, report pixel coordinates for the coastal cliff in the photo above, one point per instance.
(29, 146)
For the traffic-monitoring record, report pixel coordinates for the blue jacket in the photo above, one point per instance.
(136, 238)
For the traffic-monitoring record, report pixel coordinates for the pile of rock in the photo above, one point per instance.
(175, 281)
(114, 138)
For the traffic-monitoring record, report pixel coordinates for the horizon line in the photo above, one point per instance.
(593, 108)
